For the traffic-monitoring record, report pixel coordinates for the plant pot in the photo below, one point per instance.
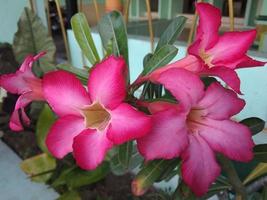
(111, 5)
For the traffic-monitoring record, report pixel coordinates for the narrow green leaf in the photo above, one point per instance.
(45, 120)
(84, 38)
(147, 58)
(112, 30)
(256, 125)
(172, 32)
(82, 74)
(149, 174)
(39, 164)
(78, 177)
(32, 38)
(259, 170)
(71, 195)
(162, 57)
(260, 153)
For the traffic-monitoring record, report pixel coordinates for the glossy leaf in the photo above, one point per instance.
(81, 74)
(112, 30)
(162, 57)
(32, 38)
(45, 121)
(258, 171)
(84, 38)
(149, 174)
(172, 32)
(71, 195)
(256, 125)
(260, 153)
(39, 167)
(76, 177)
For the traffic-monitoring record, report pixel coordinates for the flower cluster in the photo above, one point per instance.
(195, 127)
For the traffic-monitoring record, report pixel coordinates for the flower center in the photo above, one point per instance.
(194, 118)
(96, 116)
(206, 57)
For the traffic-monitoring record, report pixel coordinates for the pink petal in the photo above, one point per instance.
(60, 137)
(90, 148)
(64, 93)
(199, 166)
(220, 103)
(17, 83)
(158, 106)
(28, 61)
(190, 63)
(228, 137)
(187, 87)
(231, 46)
(107, 83)
(127, 123)
(246, 61)
(209, 23)
(229, 76)
(168, 137)
(23, 101)
(15, 123)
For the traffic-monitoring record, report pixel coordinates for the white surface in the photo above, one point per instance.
(14, 184)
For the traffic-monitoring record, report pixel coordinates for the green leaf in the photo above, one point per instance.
(183, 192)
(39, 167)
(84, 38)
(112, 30)
(126, 159)
(260, 153)
(162, 57)
(76, 177)
(71, 195)
(208, 81)
(45, 120)
(150, 173)
(32, 38)
(256, 125)
(259, 170)
(147, 58)
(172, 32)
(81, 74)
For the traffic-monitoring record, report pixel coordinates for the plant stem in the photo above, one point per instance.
(233, 177)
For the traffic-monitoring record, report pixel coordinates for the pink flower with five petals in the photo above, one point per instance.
(90, 123)
(25, 83)
(212, 54)
(196, 128)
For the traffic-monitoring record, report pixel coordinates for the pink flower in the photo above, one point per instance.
(212, 54)
(196, 128)
(25, 83)
(90, 123)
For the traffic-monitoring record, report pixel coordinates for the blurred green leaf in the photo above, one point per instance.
(264, 193)
(71, 195)
(82, 74)
(256, 125)
(259, 170)
(84, 38)
(126, 159)
(76, 177)
(162, 57)
(112, 30)
(172, 32)
(149, 173)
(183, 192)
(147, 58)
(32, 38)
(260, 152)
(39, 167)
(208, 81)
(45, 121)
